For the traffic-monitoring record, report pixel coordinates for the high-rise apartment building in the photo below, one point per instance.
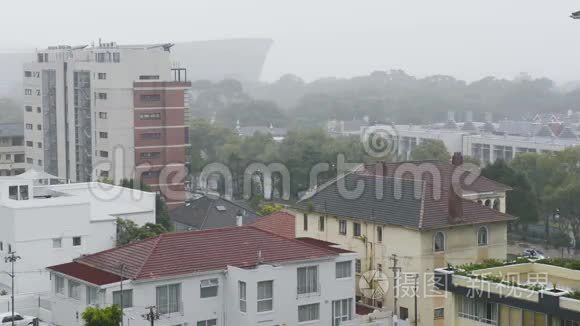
(100, 111)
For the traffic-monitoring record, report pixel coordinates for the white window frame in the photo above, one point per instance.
(74, 290)
(92, 295)
(343, 269)
(242, 296)
(342, 228)
(438, 313)
(338, 311)
(263, 298)
(310, 278)
(209, 322)
(444, 245)
(306, 315)
(171, 307)
(211, 284)
(59, 285)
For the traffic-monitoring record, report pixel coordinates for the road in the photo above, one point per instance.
(518, 247)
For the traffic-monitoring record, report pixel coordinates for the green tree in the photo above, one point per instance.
(431, 149)
(161, 211)
(566, 198)
(521, 200)
(128, 231)
(269, 208)
(109, 316)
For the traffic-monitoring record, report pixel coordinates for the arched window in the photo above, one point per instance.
(488, 203)
(496, 204)
(482, 236)
(479, 202)
(439, 242)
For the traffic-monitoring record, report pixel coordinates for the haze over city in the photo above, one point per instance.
(313, 39)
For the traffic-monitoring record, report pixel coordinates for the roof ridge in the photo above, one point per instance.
(291, 239)
(211, 202)
(155, 245)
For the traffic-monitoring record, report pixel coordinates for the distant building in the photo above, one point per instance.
(107, 111)
(12, 158)
(210, 212)
(238, 276)
(278, 134)
(346, 127)
(49, 225)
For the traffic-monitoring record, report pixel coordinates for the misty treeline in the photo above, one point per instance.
(382, 96)
(11, 111)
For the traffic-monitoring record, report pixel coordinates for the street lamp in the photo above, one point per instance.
(12, 258)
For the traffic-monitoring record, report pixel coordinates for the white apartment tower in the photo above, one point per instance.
(81, 112)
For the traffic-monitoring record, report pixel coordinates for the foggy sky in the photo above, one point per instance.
(468, 39)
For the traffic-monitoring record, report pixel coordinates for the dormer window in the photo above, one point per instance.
(482, 236)
(439, 242)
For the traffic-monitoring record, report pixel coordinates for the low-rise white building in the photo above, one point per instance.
(241, 276)
(52, 224)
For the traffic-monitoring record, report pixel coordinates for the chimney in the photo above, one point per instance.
(455, 192)
(239, 218)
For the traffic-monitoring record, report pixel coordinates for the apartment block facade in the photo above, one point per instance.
(88, 112)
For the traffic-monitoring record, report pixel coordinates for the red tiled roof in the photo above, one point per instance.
(86, 273)
(280, 223)
(325, 244)
(182, 253)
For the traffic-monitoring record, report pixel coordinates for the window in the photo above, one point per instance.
(103, 135)
(488, 203)
(18, 158)
(103, 154)
(102, 96)
(104, 174)
(18, 192)
(74, 289)
(305, 222)
(403, 313)
(29, 126)
(76, 241)
(209, 288)
(150, 116)
(116, 57)
(321, 223)
(439, 313)
(168, 298)
(358, 266)
(265, 296)
(379, 234)
(496, 204)
(342, 227)
(1, 246)
(478, 310)
(59, 284)
(150, 98)
(210, 322)
(127, 298)
(308, 312)
(38, 109)
(150, 155)
(57, 243)
(103, 115)
(308, 280)
(28, 91)
(439, 242)
(39, 145)
(482, 236)
(148, 77)
(92, 295)
(242, 296)
(28, 74)
(341, 311)
(9, 248)
(102, 75)
(39, 162)
(150, 174)
(343, 269)
(29, 143)
(150, 135)
(38, 127)
(356, 229)
(28, 108)
(29, 160)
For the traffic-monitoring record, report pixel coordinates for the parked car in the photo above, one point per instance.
(19, 320)
(534, 254)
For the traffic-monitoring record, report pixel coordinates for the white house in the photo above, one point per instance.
(49, 225)
(241, 276)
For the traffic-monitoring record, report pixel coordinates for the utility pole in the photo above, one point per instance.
(12, 258)
(122, 267)
(415, 292)
(396, 269)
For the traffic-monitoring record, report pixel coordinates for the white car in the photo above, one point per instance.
(19, 320)
(534, 254)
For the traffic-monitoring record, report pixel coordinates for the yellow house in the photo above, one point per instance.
(407, 223)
